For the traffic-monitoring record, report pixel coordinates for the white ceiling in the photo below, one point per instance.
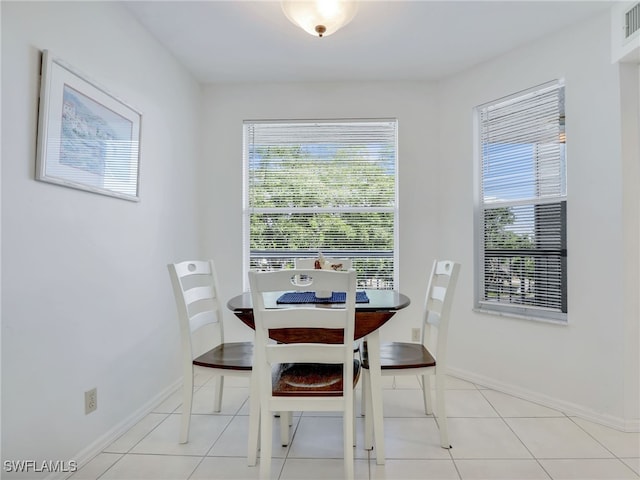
(238, 41)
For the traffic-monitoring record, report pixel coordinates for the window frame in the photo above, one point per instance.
(512, 309)
(247, 210)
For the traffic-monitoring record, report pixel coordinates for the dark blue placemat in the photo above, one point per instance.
(310, 297)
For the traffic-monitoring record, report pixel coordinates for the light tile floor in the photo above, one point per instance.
(494, 436)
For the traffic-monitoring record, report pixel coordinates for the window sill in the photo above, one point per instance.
(531, 318)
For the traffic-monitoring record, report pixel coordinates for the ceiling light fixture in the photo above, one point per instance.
(320, 17)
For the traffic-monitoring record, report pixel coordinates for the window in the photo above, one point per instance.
(322, 186)
(521, 214)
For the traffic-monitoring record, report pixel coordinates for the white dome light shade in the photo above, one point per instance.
(320, 18)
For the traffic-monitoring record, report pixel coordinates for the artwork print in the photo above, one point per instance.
(87, 138)
(90, 132)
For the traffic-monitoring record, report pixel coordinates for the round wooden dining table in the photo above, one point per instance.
(370, 316)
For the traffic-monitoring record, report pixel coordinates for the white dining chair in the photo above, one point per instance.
(427, 358)
(202, 333)
(304, 374)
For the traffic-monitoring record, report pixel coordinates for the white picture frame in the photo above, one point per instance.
(88, 139)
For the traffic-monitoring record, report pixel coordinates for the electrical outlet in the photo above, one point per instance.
(415, 334)
(90, 401)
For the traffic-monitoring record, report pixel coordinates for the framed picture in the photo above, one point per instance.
(87, 138)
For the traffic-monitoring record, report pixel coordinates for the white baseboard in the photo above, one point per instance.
(567, 408)
(85, 455)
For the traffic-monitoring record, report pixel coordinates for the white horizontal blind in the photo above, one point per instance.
(325, 187)
(522, 264)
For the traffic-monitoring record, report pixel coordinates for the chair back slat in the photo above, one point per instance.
(197, 294)
(433, 318)
(199, 320)
(438, 294)
(302, 317)
(192, 267)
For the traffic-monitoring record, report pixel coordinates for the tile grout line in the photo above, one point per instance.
(233, 417)
(128, 452)
(517, 436)
(619, 459)
(455, 464)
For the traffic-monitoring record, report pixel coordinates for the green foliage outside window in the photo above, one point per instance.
(304, 201)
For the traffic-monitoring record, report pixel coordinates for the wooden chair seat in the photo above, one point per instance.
(309, 379)
(228, 356)
(401, 355)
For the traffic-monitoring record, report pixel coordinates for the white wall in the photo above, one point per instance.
(630, 136)
(581, 366)
(226, 106)
(86, 298)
